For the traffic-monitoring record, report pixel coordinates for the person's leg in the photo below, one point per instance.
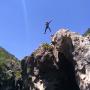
(49, 29)
(45, 30)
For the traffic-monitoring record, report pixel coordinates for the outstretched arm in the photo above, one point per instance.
(50, 21)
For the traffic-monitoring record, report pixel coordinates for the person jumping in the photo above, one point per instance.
(47, 26)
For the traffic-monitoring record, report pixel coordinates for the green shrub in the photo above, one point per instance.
(18, 74)
(46, 46)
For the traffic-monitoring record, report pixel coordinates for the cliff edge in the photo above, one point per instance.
(62, 65)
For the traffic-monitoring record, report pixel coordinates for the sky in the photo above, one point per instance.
(22, 22)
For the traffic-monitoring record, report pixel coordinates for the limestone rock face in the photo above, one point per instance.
(62, 65)
(81, 55)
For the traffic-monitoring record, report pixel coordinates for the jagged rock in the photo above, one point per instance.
(62, 65)
(52, 66)
(81, 55)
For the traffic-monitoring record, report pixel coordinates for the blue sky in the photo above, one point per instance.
(22, 22)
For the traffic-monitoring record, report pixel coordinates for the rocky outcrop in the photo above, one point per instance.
(81, 56)
(61, 65)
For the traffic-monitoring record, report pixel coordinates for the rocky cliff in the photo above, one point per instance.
(62, 65)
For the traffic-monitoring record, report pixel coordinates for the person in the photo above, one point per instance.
(47, 26)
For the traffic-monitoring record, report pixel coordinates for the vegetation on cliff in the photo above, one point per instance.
(87, 32)
(9, 66)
